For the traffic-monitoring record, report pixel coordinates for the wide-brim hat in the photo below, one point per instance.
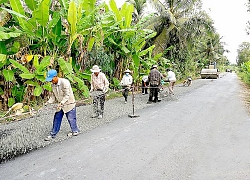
(154, 66)
(95, 68)
(50, 74)
(127, 71)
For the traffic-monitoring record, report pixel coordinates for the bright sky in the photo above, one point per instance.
(230, 20)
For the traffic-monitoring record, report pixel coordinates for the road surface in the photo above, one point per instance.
(203, 135)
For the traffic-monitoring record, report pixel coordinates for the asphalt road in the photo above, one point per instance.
(203, 135)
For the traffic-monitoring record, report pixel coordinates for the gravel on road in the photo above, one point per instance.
(20, 137)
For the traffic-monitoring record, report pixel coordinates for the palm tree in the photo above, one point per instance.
(171, 16)
(139, 6)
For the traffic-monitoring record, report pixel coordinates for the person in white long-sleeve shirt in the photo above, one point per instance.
(172, 80)
(126, 83)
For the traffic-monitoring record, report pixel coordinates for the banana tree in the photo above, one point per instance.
(129, 40)
(33, 78)
(7, 82)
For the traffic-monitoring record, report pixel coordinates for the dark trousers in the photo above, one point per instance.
(153, 93)
(125, 93)
(144, 88)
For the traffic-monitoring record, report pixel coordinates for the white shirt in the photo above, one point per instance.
(145, 78)
(171, 76)
(127, 80)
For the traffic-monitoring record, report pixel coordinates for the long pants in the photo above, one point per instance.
(71, 116)
(125, 93)
(153, 93)
(98, 104)
(144, 88)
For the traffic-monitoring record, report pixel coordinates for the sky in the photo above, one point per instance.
(230, 20)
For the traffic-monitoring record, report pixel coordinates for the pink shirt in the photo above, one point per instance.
(99, 82)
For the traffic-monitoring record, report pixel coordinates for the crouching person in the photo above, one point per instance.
(62, 94)
(99, 87)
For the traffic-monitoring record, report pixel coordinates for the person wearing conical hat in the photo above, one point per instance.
(126, 83)
(99, 87)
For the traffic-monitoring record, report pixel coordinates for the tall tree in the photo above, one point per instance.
(139, 6)
(243, 53)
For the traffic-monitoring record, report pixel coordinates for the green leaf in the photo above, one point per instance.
(3, 58)
(3, 49)
(11, 101)
(8, 75)
(15, 48)
(125, 49)
(36, 61)
(18, 11)
(72, 17)
(41, 14)
(85, 76)
(80, 82)
(4, 36)
(16, 6)
(114, 8)
(31, 83)
(58, 28)
(127, 11)
(1, 91)
(19, 66)
(38, 91)
(54, 21)
(88, 6)
(47, 86)
(65, 66)
(144, 52)
(43, 65)
(41, 78)
(27, 75)
(3, 1)
(91, 43)
(136, 61)
(31, 4)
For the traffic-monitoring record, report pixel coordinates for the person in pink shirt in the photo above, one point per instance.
(99, 87)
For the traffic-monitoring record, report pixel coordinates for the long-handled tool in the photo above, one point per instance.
(133, 105)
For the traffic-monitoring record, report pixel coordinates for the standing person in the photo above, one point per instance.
(154, 79)
(144, 84)
(172, 79)
(62, 94)
(99, 87)
(126, 83)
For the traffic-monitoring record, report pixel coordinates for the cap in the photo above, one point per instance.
(50, 74)
(95, 68)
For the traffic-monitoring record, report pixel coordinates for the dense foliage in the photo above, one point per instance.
(72, 36)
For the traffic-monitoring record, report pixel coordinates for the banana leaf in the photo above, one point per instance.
(8, 75)
(38, 91)
(19, 66)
